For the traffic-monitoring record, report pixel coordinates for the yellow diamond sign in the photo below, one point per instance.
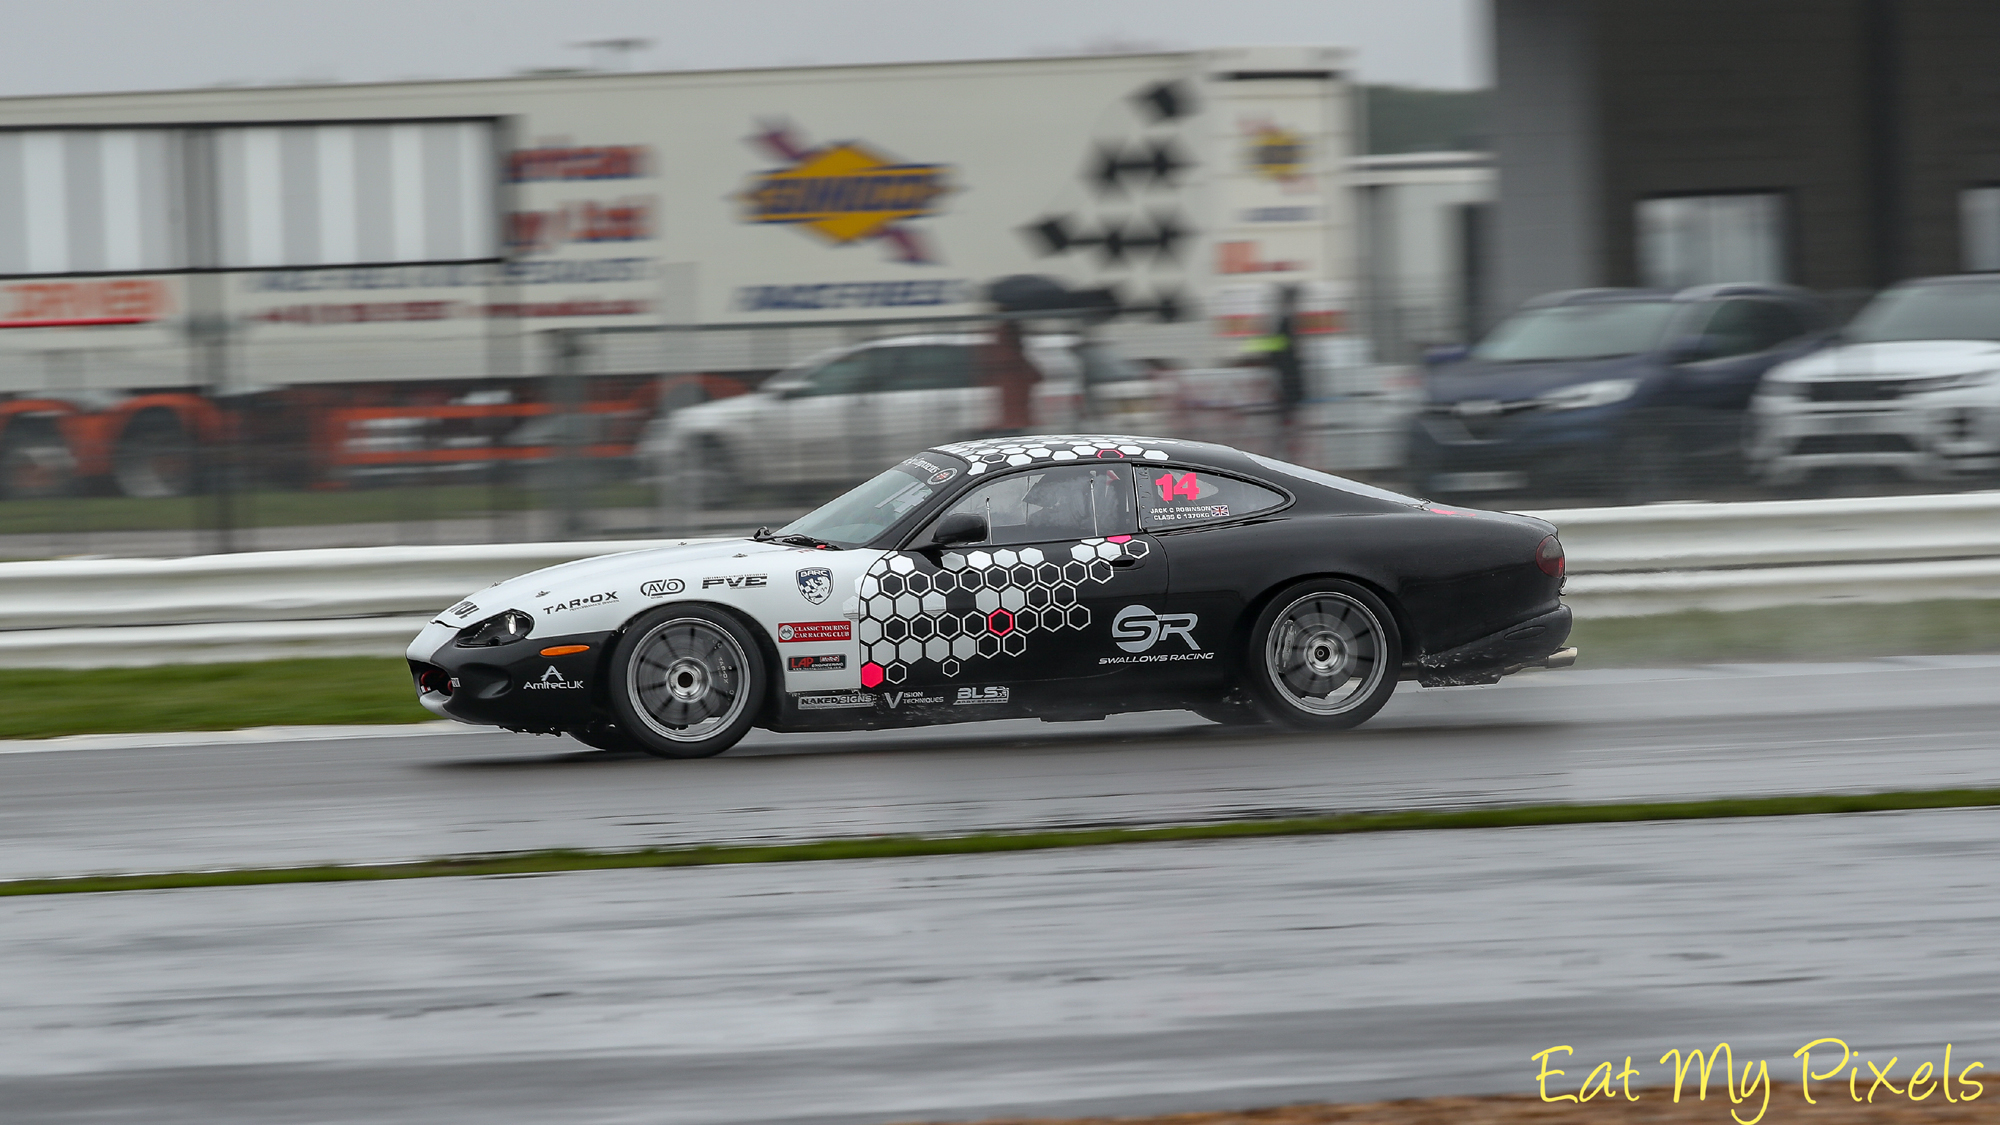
(846, 193)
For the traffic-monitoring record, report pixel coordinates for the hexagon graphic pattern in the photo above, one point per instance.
(991, 453)
(979, 605)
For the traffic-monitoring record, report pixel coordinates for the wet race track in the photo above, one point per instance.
(1128, 979)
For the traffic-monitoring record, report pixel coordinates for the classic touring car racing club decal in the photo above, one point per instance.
(806, 632)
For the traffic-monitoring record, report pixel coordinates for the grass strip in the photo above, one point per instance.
(900, 847)
(1856, 631)
(46, 703)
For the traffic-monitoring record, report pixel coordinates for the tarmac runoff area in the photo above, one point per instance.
(1123, 980)
(1118, 980)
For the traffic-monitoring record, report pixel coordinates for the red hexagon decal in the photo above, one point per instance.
(999, 623)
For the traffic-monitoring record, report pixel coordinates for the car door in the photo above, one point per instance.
(1197, 517)
(1742, 338)
(1028, 609)
(825, 429)
(932, 395)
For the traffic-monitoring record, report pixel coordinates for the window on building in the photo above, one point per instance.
(1703, 239)
(1979, 228)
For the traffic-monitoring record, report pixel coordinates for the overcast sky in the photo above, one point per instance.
(79, 46)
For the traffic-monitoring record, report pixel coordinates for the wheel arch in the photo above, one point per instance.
(767, 647)
(1252, 610)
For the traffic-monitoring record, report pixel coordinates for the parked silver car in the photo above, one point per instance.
(833, 419)
(1912, 384)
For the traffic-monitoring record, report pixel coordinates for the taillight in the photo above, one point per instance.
(1549, 556)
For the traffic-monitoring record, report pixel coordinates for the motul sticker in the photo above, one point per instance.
(819, 662)
(810, 632)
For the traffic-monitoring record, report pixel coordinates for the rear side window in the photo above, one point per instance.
(931, 367)
(1170, 497)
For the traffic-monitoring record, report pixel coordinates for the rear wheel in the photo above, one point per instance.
(1325, 655)
(155, 457)
(687, 682)
(35, 461)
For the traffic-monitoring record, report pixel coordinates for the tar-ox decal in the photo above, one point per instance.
(579, 603)
(815, 583)
(1137, 628)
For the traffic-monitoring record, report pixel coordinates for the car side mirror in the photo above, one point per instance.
(1445, 353)
(959, 527)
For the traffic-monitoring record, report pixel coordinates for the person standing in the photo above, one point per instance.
(1287, 368)
(1009, 369)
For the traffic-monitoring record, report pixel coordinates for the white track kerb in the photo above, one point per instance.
(369, 601)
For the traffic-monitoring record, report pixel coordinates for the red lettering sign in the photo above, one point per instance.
(801, 632)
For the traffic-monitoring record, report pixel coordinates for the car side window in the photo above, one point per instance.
(849, 375)
(1063, 502)
(931, 367)
(1745, 326)
(1176, 497)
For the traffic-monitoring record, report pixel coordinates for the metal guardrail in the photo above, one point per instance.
(370, 601)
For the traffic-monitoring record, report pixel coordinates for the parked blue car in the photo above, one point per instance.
(1630, 394)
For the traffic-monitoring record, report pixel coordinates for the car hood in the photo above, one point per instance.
(1511, 382)
(1900, 358)
(621, 574)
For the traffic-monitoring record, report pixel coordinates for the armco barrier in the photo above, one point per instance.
(370, 601)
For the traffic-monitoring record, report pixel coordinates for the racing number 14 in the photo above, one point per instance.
(1186, 486)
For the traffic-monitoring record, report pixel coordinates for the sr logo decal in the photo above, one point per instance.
(660, 589)
(815, 583)
(1137, 628)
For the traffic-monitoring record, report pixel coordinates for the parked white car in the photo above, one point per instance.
(1912, 384)
(835, 418)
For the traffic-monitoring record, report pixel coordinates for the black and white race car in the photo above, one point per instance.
(1060, 577)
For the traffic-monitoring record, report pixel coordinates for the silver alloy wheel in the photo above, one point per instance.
(686, 679)
(1324, 655)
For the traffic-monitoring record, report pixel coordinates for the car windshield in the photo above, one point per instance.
(1958, 311)
(860, 515)
(1599, 330)
(1331, 481)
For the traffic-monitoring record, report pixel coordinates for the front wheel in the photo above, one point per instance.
(686, 682)
(1325, 655)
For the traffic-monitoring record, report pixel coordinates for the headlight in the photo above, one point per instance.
(1947, 382)
(500, 629)
(1604, 392)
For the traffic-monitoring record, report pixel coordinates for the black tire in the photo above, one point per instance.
(35, 461)
(155, 457)
(1325, 655)
(687, 681)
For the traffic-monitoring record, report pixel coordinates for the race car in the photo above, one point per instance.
(1056, 577)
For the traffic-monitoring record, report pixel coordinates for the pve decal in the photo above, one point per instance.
(552, 680)
(737, 581)
(844, 192)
